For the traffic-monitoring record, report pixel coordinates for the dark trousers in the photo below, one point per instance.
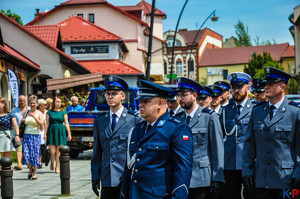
(199, 193)
(233, 186)
(263, 193)
(110, 192)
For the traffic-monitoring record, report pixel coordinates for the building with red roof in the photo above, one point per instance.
(115, 19)
(216, 64)
(189, 48)
(33, 58)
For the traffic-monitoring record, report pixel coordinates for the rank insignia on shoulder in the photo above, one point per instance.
(294, 104)
(161, 123)
(176, 121)
(185, 137)
(207, 111)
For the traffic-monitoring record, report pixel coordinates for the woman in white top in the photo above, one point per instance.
(42, 108)
(32, 138)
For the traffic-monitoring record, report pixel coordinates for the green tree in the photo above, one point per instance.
(14, 16)
(257, 63)
(243, 37)
(263, 42)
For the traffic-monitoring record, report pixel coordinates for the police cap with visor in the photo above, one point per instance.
(149, 90)
(239, 78)
(276, 75)
(225, 85)
(185, 84)
(217, 90)
(172, 95)
(258, 85)
(205, 92)
(113, 82)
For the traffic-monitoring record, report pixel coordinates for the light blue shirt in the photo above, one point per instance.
(19, 115)
(76, 108)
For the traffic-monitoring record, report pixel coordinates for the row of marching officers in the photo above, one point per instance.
(193, 151)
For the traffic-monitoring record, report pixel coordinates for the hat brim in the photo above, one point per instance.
(273, 79)
(143, 97)
(114, 88)
(259, 90)
(238, 83)
(172, 98)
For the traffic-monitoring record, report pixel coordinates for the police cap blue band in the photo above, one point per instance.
(115, 84)
(277, 76)
(205, 92)
(183, 85)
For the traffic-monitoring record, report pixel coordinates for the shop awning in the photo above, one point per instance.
(78, 80)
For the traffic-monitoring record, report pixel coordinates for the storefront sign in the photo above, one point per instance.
(103, 49)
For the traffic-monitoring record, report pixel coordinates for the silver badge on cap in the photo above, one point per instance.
(111, 78)
(179, 80)
(234, 76)
(268, 70)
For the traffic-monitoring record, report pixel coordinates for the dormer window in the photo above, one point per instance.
(170, 42)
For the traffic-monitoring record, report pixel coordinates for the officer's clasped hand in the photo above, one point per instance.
(96, 186)
(248, 182)
(215, 189)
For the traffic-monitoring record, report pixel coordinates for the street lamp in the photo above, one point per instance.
(173, 47)
(214, 19)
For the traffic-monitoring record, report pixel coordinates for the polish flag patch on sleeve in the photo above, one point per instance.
(185, 137)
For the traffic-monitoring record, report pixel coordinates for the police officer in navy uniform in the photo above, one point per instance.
(160, 152)
(204, 97)
(208, 157)
(226, 92)
(110, 140)
(234, 121)
(271, 163)
(174, 109)
(259, 90)
(216, 99)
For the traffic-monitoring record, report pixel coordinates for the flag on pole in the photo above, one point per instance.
(13, 85)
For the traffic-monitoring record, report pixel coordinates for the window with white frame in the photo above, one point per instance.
(179, 67)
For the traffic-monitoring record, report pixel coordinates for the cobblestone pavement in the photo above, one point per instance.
(48, 186)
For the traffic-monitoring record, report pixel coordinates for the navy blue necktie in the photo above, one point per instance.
(272, 108)
(239, 109)
(113, 121)
(171, 113)
(188, 119)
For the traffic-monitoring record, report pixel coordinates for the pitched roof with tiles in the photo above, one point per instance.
(66, 56)
(240, 55)
(86, 2)
(47, 33)
(110, 67)
(290, 52)
(17, 55)
(79, 29)
(143, 5)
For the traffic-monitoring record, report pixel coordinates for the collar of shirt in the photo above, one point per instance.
(118, 113)
(193, 112)
(243, 102)
(151, 123)
(175, 110)
(278, 104)
(217, 109)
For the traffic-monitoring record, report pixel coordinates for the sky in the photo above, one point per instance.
(266, 19)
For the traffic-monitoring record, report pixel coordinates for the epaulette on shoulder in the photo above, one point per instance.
(205, 110)
(174, 120)
(294, 104)
(135, 113)
(260, 103)
(100, 114)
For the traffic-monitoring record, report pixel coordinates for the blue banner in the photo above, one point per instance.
(14, 86)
